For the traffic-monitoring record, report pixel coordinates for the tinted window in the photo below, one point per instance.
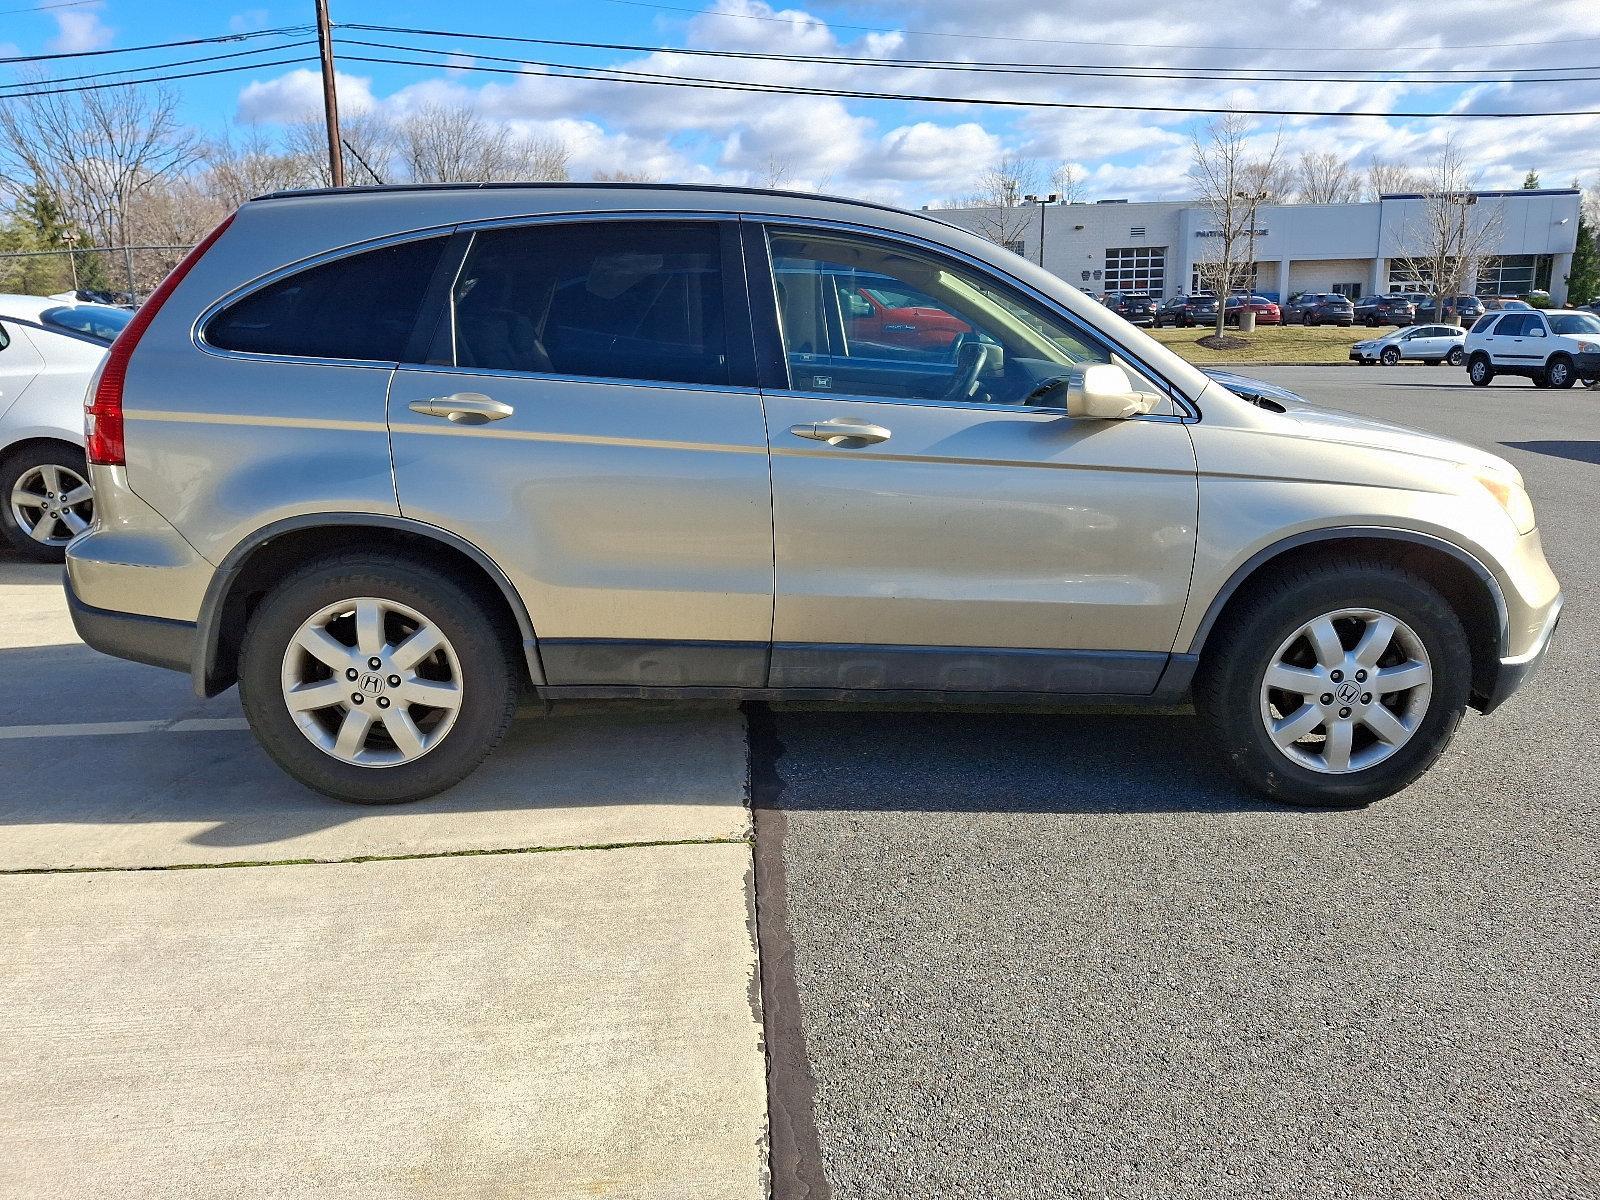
(99, 321)
(1483, 323)
(1509, 327)
(5, 338)
(360, 307)
(974, 341)
(606, 299)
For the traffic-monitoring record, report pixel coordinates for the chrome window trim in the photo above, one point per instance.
(498, 373)
(965, 405)
(1188, 409)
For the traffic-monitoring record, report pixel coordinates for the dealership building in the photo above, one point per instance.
(1357, 249)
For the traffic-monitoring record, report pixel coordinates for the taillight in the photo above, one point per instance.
(102, 413)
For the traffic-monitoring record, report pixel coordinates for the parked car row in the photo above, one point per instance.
(1319, 308)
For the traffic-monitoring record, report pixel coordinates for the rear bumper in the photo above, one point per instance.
(1512, 673)
(158, 641)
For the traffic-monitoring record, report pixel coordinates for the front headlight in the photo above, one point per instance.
(1589, 347)
(1506, 487)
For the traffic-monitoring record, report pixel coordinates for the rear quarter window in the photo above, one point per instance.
(361, 307)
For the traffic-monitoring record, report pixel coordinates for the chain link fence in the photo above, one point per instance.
(111, 274)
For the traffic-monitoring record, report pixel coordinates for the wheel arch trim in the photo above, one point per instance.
(1266, 554)
(208, 639)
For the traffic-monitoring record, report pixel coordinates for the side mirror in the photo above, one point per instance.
(1104, 392)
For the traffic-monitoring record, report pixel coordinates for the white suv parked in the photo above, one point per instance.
(1554, 349)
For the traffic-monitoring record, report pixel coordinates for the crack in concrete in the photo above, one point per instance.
(374, 858)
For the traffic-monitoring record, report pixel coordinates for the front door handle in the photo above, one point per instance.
(841, 430)
(463, 408)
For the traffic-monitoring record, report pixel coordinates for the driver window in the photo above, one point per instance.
(870, 318)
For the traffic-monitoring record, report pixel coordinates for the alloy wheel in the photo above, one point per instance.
(1346, 691)
(372, 682)
(52, 504)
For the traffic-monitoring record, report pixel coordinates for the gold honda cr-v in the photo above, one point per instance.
(388, 458)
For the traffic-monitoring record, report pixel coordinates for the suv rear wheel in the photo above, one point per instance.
(376, 681)
(1479, 371)
(1337, 685)
(45, 500)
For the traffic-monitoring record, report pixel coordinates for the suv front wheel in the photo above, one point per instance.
(1337, 685)
(376, 681)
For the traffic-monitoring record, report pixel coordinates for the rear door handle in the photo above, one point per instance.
(841, 430)
(463, 408)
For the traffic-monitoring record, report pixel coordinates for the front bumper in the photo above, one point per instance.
(158, 641)
(1588, 365)
(1513, 672)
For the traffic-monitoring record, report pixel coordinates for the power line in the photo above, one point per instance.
(95, 87)
(42, 8)
(995, 37)
(205, 41)
(1049, 70)
(5, 88)
(560, 70)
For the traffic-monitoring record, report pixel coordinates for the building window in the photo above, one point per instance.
(1514, 275)
(1015, 247)
(1206, 278)
(1351, 291)
(1137, 269)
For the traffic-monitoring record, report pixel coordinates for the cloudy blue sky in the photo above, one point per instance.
(914, 153)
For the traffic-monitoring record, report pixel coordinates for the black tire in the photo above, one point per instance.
(12, 468)
(1372, 322)
(491, 683)
(1228, 687)
(1540, 379)
(1390, 356)
(1479, 371)
(1560, 373)
(1455, 356)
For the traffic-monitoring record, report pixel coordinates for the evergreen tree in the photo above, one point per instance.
(1583, 281)
(1530, 181)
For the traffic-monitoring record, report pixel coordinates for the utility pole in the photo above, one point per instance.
(330, 99)
(1041, 201)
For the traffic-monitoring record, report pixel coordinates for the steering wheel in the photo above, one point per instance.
(971, 356)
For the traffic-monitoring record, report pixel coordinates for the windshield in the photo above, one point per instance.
(1575, 323)
(98, 321)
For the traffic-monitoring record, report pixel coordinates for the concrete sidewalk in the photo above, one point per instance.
(476, 1013)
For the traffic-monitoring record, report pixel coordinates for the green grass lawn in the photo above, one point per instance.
(1271, 343)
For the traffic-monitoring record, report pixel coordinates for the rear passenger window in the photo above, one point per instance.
(360, 307)
(605, 299)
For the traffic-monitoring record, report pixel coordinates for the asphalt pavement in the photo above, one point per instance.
(1067, 956)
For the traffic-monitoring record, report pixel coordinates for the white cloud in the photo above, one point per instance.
(298, 94)
(914, 154)
(79, 30)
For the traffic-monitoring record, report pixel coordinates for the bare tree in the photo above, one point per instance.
(94, 152)
(243, 164)
(1385, 178)
(1231, 187)
(445, 143)
(1326, 178)
(1066, 183)
(773, 173)
(1002, 216)
(1452, 236)
(1269, 178)
(369, 148)
(625, 175)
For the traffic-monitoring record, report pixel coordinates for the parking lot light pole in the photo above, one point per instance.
(330, 98)
(1041, 201)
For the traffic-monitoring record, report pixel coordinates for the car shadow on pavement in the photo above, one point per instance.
(1584, 452)
(945, 761)
(15, 572)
